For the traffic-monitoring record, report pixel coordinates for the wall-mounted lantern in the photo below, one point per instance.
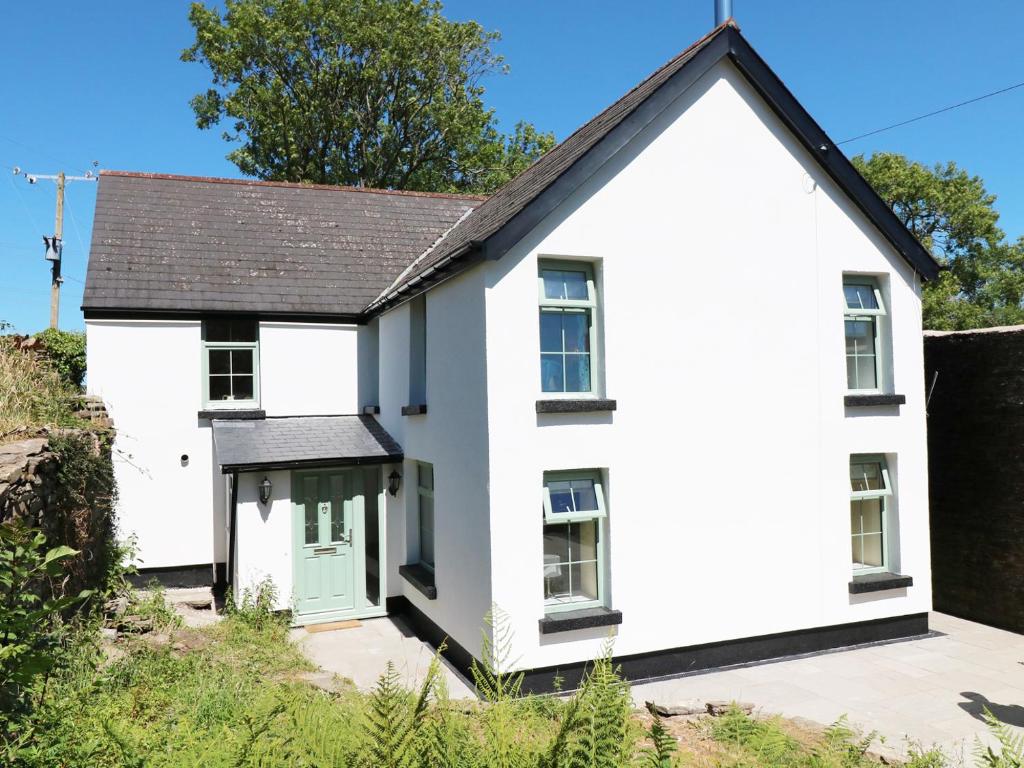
(394, 482)
(266, 487)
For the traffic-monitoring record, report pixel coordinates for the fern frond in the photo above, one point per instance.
(663, 746)
(1011, 745)
(388, 724)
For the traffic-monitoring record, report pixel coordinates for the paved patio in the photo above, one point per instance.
(927, 692)
(361, 654)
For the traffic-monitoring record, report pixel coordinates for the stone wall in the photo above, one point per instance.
(976, 467)
(61, 482)
(28, 479)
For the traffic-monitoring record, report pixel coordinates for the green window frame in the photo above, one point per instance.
(231, 363)
(574, 534)
(864, 319)
(568, 328)
(870, 510)
(425, 513)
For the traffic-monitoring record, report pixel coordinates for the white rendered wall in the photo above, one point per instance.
(308, 369)
(720, 249)
(452, 436)
(264, 543)
(149, 373)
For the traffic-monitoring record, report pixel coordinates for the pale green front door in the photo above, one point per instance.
(324, 506)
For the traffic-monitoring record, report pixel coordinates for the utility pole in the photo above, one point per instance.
(58, 247)
(55, 244)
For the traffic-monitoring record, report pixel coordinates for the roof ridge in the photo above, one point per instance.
(289, 184)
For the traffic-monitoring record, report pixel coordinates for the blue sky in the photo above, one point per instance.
(102, 81)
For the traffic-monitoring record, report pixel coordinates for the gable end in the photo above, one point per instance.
(515, 209)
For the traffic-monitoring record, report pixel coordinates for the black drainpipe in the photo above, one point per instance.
(229, 576)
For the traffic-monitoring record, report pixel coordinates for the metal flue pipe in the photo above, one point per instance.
(723, 11)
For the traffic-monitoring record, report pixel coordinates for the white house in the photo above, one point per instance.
(667, 383)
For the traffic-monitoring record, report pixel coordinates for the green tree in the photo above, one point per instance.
(954, 216)
(377, 93)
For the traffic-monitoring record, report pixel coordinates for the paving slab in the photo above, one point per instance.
(922, 693)
(361, 654)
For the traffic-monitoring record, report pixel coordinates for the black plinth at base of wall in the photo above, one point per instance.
(179, 576)
(426, 630)
(681, 661)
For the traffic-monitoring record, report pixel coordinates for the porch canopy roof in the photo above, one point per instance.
(293, 442)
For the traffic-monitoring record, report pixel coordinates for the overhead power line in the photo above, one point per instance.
(931, 114)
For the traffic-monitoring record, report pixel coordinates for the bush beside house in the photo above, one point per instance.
(59, 560)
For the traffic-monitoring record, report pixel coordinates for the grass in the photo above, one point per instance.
(33, 395)
(233, 695)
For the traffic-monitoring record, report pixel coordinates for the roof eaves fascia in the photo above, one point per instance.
(135, 313)
(345, 461)
(467, 255)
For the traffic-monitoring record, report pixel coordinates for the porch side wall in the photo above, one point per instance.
(264, 536)
(719, 248)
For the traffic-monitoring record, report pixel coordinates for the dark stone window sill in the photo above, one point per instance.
(371, 410)
(414, 410)
(248, 413)
(879, 582)
(419, 577)
(867, 400)
(578, 405)
(585, 618)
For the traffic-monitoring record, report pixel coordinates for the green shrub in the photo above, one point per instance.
(66, 352)
(82, 512)
(31, 602)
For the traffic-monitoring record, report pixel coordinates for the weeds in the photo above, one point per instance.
(33, 394)
(151, 606)
(257, 607)
(233, 700)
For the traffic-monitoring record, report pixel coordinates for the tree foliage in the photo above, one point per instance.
(377, 93)
(954, 216)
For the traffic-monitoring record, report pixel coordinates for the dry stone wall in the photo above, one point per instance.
(61, 482)
(28, 480)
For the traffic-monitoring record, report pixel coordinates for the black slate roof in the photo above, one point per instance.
(507, 213)
(302, 440)
(188, 244)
